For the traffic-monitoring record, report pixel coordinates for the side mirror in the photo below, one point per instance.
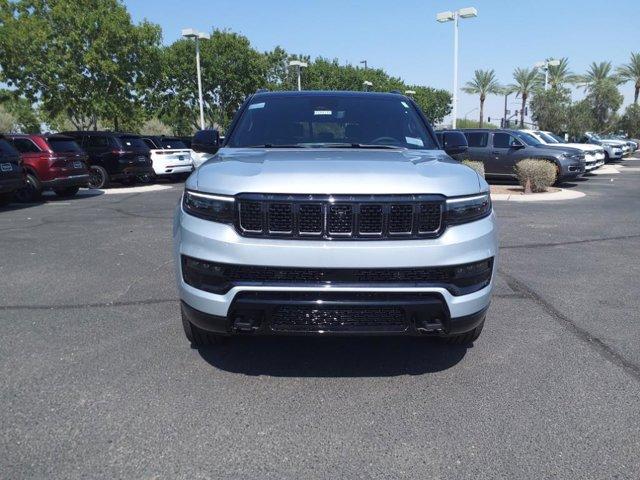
(454, 142)
(207, 141)
(517, 146)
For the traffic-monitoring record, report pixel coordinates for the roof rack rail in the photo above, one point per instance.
(261, 90)
(396, 91)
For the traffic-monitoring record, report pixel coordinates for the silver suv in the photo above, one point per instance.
(334, 213)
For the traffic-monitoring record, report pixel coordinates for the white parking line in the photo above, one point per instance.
(115, 191)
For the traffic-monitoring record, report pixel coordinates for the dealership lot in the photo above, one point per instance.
(100, 382)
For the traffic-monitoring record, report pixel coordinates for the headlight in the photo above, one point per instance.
(467, 209)
(216, 208)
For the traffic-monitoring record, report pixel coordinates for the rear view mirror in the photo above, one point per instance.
(454, 142)
(207, 141)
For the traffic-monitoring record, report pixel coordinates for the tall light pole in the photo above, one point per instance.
(449, 16)
(545, 66)
(191, 33)
(300, 65)
(365, 63)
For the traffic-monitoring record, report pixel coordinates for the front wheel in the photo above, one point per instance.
(98, 177)
(66, 192)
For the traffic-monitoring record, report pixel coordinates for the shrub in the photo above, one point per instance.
(536, 175)
(477, 166)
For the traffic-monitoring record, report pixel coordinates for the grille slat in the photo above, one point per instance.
(310, 319)
(342, 217)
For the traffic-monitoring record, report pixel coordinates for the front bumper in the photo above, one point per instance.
(220, 243)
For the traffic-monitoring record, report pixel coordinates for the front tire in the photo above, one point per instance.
(98, 177)
(66, 192)
(197, 336)
(466, 338)
(31, 191)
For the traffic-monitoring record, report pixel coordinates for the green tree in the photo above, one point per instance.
(24, 113)
(434, 103)
(630, 121)
(601, 85)
(8, 121)
(81, 58)
(550, 108)
(579, 119)
(630, 72)
(484, 83)
(525, 81)
(560, 75)
(231, 70)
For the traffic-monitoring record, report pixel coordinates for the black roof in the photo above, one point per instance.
(327, 93)
(99, 133)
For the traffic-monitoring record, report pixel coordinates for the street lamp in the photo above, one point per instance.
(365, 63)
(545, 66)
(366, 84)
(410, 92)
(300, 65)
(197, 36)
(448, 16)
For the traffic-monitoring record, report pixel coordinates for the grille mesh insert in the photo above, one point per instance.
(338, 319)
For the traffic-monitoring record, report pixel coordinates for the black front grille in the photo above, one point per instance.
(220, 277)
(293, 318)
(340, 217)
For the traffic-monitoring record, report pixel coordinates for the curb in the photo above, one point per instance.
(563, 194)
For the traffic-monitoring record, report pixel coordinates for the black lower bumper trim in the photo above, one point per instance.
(344, 313)
(71, 181)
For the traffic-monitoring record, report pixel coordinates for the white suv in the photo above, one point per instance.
(334, 213)
(170, 155)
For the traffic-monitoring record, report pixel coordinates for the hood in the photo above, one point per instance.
(614, 143)
(334, 171)
(585, 147)
(560, 148)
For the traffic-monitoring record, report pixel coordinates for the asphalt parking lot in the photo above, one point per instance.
(99, 381)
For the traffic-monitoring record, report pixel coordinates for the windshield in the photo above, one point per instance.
(63, 145)
(528, 139)
(172, 143)
(548, 138)
(331, 121)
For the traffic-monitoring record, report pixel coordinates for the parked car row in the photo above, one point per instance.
(65, 162)
(501, 149)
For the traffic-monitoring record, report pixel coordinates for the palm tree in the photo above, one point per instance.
(526, 80)
(559, 75)
(598, 74)
(484, 83)
(630, 72)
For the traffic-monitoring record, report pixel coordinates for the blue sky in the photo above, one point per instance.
(403, 37)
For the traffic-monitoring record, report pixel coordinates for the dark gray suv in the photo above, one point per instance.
(499, 150)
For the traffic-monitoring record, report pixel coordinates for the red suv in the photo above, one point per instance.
(51, 162)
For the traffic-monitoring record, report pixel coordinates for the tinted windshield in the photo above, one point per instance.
(133, 143)
(322, 120)
(548, 138)
(528, 139)
(172, 143)
(557, 137)
(63, 145)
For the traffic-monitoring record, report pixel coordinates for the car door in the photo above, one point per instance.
(97, 147)
(506, 151)
(477, 147)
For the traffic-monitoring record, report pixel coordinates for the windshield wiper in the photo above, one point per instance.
(273, 145)
(359, 145)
